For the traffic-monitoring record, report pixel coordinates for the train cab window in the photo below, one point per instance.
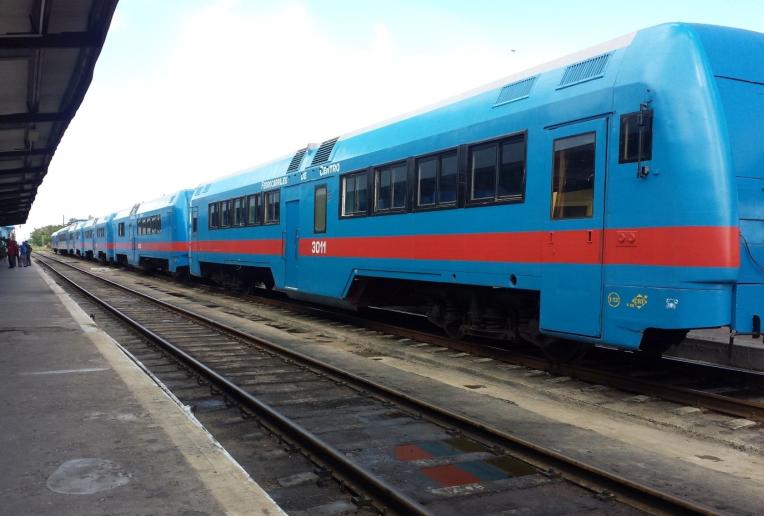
(272, 206)
(497, 170)
(225, 214)
(255, 209)
(636, 142)
(355, 194)
(573, 177)
(436, 180)
(214, 216)
(390, 188)
(319, 209)
(121, 229)
(194, 219)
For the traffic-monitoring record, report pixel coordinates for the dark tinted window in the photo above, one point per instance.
(390, 184)
(319, 210)
(573, 177)
(497, 170)
(636, 143)
(252, 212)
(354, 194)
(483, 171)
(214, 216)
(194, 219)
(436, 180)
(225, 214)
(511, 169)
(272, 207)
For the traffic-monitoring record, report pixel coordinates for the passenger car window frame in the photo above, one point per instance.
(497, 143)
(377, 171)
(341, 205)
(593, 134)
(266, 196)
(323, 187)
(642, 137)
(454, 151)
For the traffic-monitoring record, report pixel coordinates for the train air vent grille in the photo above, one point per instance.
(296, 160)
(583, 71)
(324, 151)
(515, 91)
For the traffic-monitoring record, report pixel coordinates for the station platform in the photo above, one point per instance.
(84, 431)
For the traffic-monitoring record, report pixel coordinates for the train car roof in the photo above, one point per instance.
(165, 201)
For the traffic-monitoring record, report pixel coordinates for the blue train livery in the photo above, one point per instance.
(612, 197)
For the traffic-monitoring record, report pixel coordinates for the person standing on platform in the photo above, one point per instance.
(13, 253)
(29, 255)
(23, 254)
(3, 249)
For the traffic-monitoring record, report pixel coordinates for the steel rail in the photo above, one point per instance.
(633, 493)
(363, 482)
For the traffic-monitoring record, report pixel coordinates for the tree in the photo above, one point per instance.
(40, 237)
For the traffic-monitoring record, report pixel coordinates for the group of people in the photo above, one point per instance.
(10, 249)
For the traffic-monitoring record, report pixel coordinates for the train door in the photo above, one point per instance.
(291, 251)
(572, 254)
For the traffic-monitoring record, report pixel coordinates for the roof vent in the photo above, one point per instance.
(296, 160)
(515, 91)
(588, 70)
(324, 151)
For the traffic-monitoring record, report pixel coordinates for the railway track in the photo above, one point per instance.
(727, 390)
(395, 452)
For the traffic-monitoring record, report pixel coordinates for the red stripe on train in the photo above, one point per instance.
(667, 246)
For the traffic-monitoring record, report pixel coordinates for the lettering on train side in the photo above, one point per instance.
(325, 170)
(271, 183)
(318, 247)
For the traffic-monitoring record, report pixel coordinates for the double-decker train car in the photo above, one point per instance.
(88, 237)
(103, 239)
(613, 197)
(153, 234)
(58, 241)
(75, 235)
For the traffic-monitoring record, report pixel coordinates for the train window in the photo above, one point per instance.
(483, 168)
(194, 219)
(214, 216)
(573, 177)
(225, 214)
(355, 194)
(237, 218)
(121, 229)
(390, 188)
(319, 209)
(159, 224)
(436, 180)
(253, 210)
(497, 170)
(636, 143)
(272, 206)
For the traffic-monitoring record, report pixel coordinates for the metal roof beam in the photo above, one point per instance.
(33, 118)
(62, 40)
(23, 153)
(20, 171)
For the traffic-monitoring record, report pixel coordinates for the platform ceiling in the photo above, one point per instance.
(48, 49)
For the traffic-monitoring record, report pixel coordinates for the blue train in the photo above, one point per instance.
(613, 197)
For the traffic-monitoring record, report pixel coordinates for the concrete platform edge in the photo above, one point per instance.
(226, 480)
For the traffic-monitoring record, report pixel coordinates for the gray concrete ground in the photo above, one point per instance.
(84, 431)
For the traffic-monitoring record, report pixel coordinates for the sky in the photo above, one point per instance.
(185, 91)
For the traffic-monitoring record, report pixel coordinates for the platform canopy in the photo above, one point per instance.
(48, 49)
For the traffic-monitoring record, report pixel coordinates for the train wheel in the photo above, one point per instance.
(565, 351)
